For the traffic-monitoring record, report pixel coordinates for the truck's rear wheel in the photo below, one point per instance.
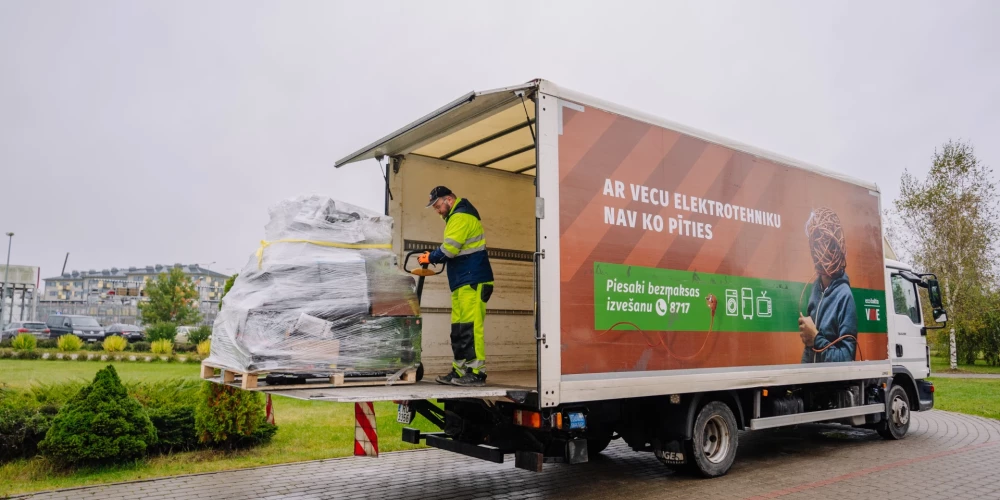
(897, 418)
(712, 449)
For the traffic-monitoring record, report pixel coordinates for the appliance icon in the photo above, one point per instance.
(763, 305)
(732, 303)
(747, 303)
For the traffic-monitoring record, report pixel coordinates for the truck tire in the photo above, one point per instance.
(897, 418)
(712, 449)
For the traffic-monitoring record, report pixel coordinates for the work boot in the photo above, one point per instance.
(470, 379)
(449, 378)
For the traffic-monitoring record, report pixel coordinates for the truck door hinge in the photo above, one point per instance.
(539, 207)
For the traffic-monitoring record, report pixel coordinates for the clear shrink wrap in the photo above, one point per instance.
(323, 293)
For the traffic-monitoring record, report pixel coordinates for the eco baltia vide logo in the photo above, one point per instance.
(872, 308)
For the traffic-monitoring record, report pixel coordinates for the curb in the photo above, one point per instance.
(194, 474)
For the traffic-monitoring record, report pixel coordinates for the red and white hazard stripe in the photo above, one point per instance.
(269, 411)
(365, 433)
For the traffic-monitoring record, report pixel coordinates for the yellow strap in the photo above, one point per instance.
(353, 246)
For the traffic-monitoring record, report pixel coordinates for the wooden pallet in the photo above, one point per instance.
(248, 380)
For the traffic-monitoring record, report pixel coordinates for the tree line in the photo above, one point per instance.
(946, 224)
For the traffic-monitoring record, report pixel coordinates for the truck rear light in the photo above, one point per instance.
(527, 418)
(932, 388)
(577, 420)
(557, 420)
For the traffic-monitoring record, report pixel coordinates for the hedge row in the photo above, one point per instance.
(141, 346)
(99, 356)
(60, 421)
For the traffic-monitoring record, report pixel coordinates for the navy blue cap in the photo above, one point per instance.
(438, 192)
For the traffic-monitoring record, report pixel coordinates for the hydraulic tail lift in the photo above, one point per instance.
(453, 425)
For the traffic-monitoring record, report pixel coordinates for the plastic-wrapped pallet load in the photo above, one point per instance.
(322, 294)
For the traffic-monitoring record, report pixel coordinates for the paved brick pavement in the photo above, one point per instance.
(946, 455)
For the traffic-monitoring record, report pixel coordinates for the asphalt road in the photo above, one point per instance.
(945, 455)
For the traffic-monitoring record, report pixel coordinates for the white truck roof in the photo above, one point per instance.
(443, 131)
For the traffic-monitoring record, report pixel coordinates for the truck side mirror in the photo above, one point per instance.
(934, 295)
(940, 315)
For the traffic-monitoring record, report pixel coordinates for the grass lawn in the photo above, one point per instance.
(968, 395)
(22, 373)
(941, 364)
(307, 430)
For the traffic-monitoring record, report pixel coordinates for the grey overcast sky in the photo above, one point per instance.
(142, 132)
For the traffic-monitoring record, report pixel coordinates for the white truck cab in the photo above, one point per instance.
(907, 332)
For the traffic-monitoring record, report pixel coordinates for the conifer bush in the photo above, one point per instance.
(229, 418)
(100, 424)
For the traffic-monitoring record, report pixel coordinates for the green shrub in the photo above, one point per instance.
(115, 343)
(141, 346)
(170, 405)
(47, 344)
(56, 394)
(205, 347)
(24, 342)
(93, 346)
(185, 347)
(23, 424)
(162, 346)
(5, 343)
(165, 392)
(261, 435)
(175, 429)
(101, 424)
(69, 342)
(29, 355)
(200, 334)
(227, 416)
(160, 331)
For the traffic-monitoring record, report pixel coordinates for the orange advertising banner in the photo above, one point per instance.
(678, 253)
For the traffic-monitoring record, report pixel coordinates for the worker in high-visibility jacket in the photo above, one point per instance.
(470, 278)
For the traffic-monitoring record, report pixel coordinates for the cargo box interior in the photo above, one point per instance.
(483, 148)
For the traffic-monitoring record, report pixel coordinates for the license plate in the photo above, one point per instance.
(403, 414)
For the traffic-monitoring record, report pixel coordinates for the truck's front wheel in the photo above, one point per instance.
(712, 448)
(897, 418)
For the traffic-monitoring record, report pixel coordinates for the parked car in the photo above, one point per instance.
(130, 332)
(85, 327)
(18, 327)
(182, 334)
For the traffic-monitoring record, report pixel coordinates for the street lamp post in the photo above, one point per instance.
(6, 273)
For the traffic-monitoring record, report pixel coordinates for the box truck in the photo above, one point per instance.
(653, 283)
